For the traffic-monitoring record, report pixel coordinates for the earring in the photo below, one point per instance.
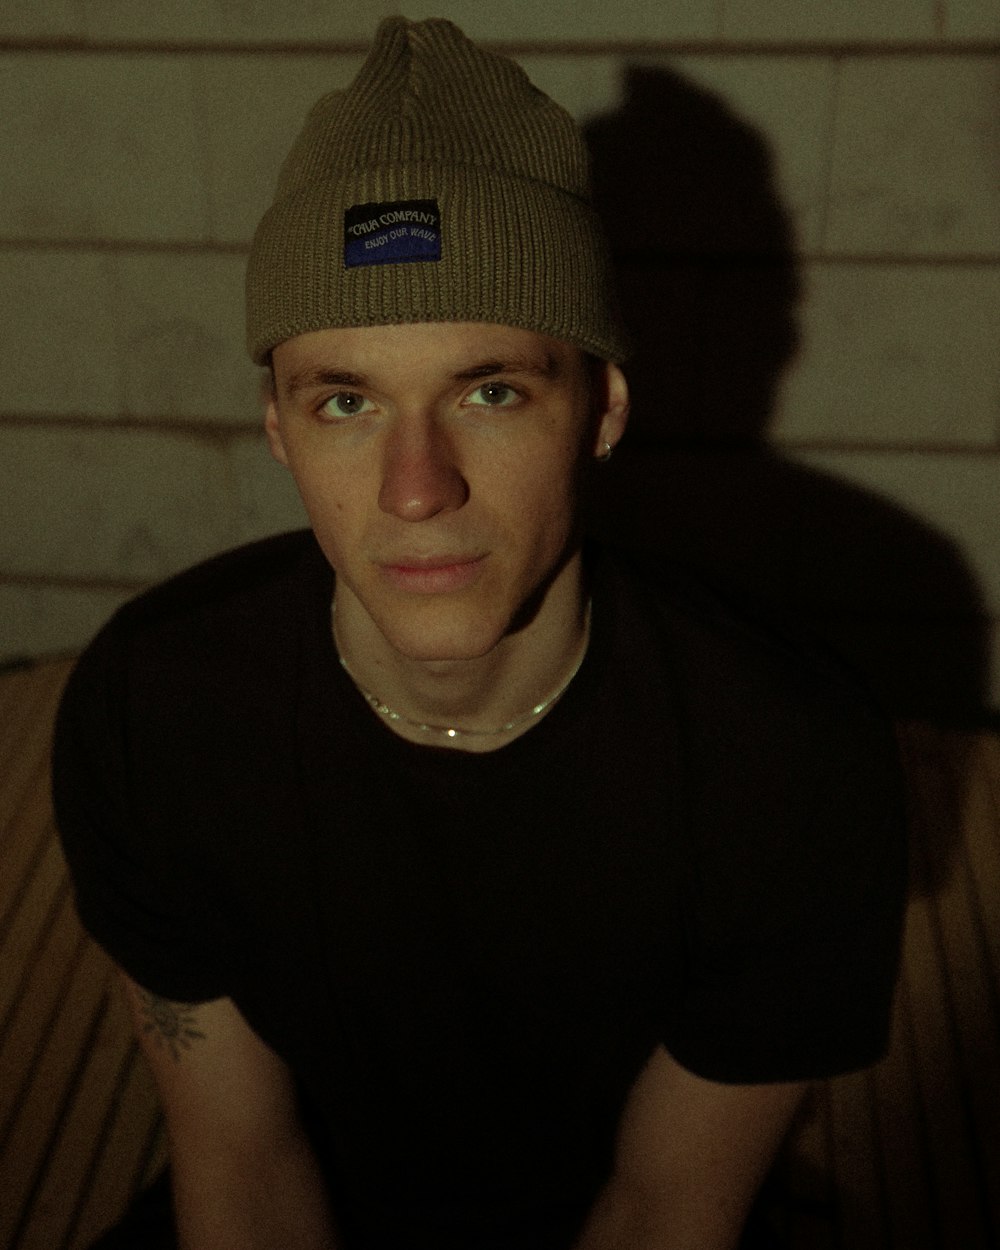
(604, 456)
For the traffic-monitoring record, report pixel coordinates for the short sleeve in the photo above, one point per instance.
(795, 923)
(138, 893)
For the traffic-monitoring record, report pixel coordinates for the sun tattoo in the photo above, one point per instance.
(172, 1024)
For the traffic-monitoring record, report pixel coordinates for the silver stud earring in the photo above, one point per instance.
(604, 456)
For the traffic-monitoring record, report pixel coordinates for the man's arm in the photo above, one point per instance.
(244, 1174)
(690, 1157)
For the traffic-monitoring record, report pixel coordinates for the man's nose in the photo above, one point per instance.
(420, 473)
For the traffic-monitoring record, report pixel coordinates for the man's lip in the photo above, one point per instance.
(429, 562)
(431, 574)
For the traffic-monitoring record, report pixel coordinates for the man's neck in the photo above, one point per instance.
(475, 704)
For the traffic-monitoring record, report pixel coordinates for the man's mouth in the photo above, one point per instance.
(431, 575)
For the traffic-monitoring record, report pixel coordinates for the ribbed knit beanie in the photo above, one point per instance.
(440, 186)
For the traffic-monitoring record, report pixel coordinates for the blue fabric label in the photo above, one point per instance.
(392, 233)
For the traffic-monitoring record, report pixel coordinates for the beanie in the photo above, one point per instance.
(440, 186)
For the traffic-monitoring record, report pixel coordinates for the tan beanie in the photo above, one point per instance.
(440, 186)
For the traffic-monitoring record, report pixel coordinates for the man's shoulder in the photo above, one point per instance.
(740, 669)
(226, 581)
(246, 587)
(211, 623)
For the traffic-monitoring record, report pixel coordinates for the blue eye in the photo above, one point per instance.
(346, 404)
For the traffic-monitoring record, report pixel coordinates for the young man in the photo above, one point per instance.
(469, 892)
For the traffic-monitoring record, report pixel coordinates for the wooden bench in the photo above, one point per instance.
(903, 1157)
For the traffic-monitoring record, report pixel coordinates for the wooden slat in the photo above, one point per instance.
(124, 1158)
(988, 763)
(982, 843)
(44, 916)
(31, 841)
(49, 1085)
(903, 1137)
(63, 1189)
(158, 1154)
(977, 1033)
(914, 1140)
(14, 681)
(78, 1120)
(21, 690)
(857, 1163)
(805, 1179)
(952, 1155)
(981, 865)
(26, 733)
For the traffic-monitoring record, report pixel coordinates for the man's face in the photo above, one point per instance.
(440, 465)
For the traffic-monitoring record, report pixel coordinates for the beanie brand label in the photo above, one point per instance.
(392, 233)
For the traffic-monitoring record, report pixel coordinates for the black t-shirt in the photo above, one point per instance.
(467, 958)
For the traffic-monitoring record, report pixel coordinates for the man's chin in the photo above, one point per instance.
(444, 650)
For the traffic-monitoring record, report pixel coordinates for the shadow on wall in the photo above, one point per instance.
(709, 282)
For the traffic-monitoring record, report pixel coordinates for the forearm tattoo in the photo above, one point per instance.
(171, 1024)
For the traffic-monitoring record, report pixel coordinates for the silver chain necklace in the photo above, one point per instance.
(452, 731)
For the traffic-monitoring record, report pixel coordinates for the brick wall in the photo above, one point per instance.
(805, 203)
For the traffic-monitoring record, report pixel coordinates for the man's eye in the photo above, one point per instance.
(345, 404)
(493, 395)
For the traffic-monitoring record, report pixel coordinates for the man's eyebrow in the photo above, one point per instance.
(542, 366)
(306, 379)
(312, 377)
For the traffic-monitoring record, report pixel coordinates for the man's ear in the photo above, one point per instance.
(611, 409)
(273, 429)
